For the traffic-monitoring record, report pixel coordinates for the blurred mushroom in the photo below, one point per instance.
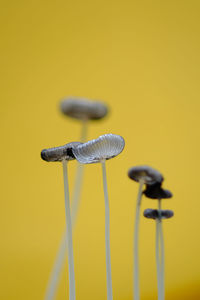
(83, 109)
(144, 175)
(155, 191)
(154, 214)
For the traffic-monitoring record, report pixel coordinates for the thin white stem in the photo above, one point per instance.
(162, 261)
(158, 260)
(72, 295)
(162, 255)
(79, 177)
(136, 288)
(54, 277)
(107, 234)
(76, 194)
(84, 131)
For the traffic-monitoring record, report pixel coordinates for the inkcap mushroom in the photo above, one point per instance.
(99, 150)
(144, 175)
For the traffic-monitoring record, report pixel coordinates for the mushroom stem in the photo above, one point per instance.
(107, 234)
(84, 130)
(136, 291)
(72, 295)
(79, 177)
(162, 253)
(53, 282)
(52, 285)
(158, 260)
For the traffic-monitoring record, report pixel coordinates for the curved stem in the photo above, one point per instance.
(107, 234)
(72, 295)
(158, 259)
(54, 277)
(136, 291)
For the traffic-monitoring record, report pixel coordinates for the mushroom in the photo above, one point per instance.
(59, 153)
(155, 191)
(144, 175)
(83, 110)
(98, 151)
(155, 214)
(64, 154)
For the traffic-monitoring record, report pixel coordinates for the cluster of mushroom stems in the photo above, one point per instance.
(100, 150)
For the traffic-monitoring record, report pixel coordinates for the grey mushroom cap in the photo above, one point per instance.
(155, 191)
(145, 173)
(83, 109)
(59, 153)
(155, 214)
(103, 148)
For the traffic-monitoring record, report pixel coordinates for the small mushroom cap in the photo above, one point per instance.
(83, 109)
(59, 153)
(145, 173)
(104, 147)
(154, 213)
(155, 191)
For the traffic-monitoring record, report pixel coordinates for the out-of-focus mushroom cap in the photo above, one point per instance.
(104, 147)
(155, 191)
(83, 109)
(59, 153)
(155, 214)
(145, 173)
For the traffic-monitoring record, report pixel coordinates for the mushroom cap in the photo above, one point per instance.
(83, 109)
(155, 191)
(104, 147)
(145, 173)
(59, 153)
(154, 213)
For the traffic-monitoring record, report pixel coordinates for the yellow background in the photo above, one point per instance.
(140, 57)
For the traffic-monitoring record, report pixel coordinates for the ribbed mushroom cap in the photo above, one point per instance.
(83, 109)
(59, 153)
(145, 173)
(155, 191)
(154, 213)
(104, 147)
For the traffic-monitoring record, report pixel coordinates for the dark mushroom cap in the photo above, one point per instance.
(155, 191)
(83, 109)
(155, 214)
(59, 153)
(103, 148)
(145, 173)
